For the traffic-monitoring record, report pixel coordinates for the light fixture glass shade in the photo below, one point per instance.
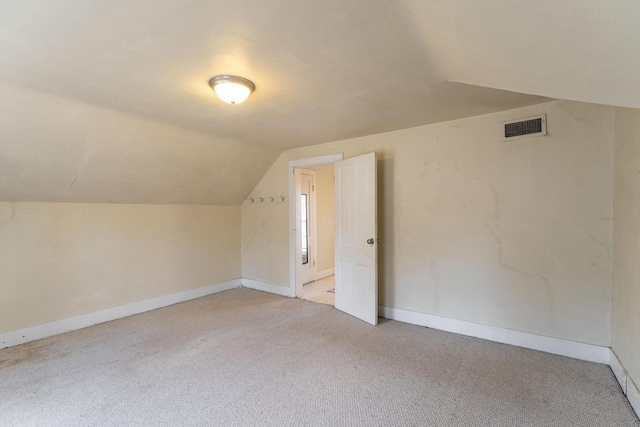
(232, 89)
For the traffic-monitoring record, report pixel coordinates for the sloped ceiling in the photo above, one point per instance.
(54, 149)
(579, 50)
(108, 100)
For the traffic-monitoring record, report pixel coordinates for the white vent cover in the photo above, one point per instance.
(524, 128)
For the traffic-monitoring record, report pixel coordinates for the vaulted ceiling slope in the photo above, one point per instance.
(111, 95)
(579, 50)
(56, 149)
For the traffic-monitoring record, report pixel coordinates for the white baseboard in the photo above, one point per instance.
(633, 394)
(324, 273)
(618, 370)
(588, 352)
(577, 350)
(284, 291)
(33, 333)
(629, 388)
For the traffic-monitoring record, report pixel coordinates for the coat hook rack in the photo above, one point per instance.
(267, 199)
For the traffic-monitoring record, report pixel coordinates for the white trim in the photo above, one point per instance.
(633, 394)
(628, 386)
(618, 370)
(268, 287)
(325, 273)
(588, 352)
(33, 333)
(577, 350)
(313, 232)
(308, 162)
(316, 161)
(292, 230)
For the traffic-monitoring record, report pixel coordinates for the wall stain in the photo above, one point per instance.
(261, 225)
(500, 252)
(496, 204)
(423, 170)
(583, 118)
(597, 242)
(84, 160)
(12, 215)
(541, 278)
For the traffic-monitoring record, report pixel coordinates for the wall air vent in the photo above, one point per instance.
(524, 128)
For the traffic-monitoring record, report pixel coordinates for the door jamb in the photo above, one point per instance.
(301, 163)
(313, 215)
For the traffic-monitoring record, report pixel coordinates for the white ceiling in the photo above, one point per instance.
(324, 70)
(580, 50)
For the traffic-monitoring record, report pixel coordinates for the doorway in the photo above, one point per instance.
(355, 244)
(316, 228)
(296, 279)
(307, 226)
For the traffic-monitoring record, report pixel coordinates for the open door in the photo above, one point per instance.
(356, 265)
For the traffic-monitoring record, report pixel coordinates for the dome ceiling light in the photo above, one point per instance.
(232, 89)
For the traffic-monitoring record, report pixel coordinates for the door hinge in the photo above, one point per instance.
(313, 188)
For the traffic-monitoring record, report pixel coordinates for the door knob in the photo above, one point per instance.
(370, 241)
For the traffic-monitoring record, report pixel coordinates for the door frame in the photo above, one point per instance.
(301, 163)
(313, 222)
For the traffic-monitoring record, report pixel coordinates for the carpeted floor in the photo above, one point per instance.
(248, 358)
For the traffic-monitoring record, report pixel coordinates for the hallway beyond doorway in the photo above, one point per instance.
(318, 291)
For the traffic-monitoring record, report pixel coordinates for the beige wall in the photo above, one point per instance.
(626, 241)
(59, 260)
(324, 203)
(512, 234)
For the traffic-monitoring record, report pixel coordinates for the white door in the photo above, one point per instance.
(356, 265)
(305, 229)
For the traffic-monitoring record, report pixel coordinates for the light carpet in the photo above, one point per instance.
(248, 358)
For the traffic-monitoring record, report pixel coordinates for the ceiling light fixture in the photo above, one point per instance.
(232, 89)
